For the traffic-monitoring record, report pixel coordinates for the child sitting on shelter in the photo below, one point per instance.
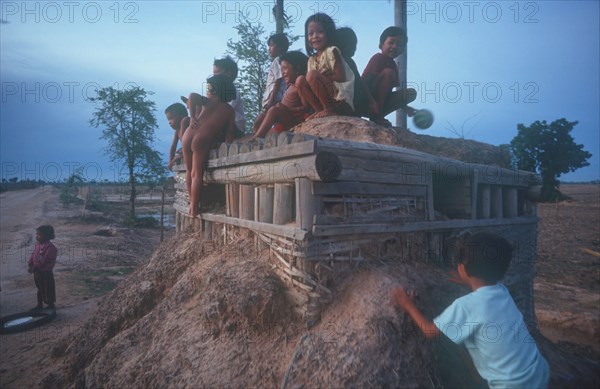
(210, 117)
(381, 76)
(363, 101)
(275, 88)
(292, 108)
(329, 83)
(486, 321)
(179, 121)
(228, 67)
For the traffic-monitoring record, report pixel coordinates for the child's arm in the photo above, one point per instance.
(194, 103)
(173, 148)
(406, 303)
(276, 86)
(338, 74)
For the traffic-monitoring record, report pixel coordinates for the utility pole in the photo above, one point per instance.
(400, 21)
(278, 11)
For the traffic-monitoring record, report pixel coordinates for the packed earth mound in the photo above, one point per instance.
(197, 316)
(361, 130)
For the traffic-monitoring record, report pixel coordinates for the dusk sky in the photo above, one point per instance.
(480, 67)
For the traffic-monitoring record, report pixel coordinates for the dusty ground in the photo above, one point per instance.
(162, 304)
(88, 266)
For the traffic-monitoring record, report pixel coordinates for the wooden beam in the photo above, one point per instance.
(265, 204)
(486, 192)
(348, 229)
(282, 208)
(287, 231)
(353, 187)
(305, 204)
(264, 155)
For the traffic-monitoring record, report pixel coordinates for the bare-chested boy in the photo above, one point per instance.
(210, 117)
(381, 77)
(179, 121)
(292, 108)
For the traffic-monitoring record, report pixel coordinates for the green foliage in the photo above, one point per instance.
(550, 150)
(70, 189)
(127, 117)
(252, 54)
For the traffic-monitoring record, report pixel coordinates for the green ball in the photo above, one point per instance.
(423, 119)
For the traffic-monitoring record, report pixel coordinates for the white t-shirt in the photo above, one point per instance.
(492, 328)
(238, 107)
(274, 75)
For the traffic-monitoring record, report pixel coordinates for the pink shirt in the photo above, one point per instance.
(43, 257)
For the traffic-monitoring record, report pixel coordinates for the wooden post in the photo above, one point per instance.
(400, 18)
(485, 201)
(497, 202)
(247, 202)
(510, 206)
(474, 187)
(306, 204)
(282, 209)
(234, 192)
(265, 204)
(430, 208)
(207, 234)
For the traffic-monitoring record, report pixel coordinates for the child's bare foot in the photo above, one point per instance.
(321, 114)
(381, 121)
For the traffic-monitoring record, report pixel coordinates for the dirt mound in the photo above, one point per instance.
(361, 130)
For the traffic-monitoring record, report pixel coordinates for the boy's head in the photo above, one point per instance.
(485, 256)
(298, 63)
(175, 112)
(278, 44)
(226, 66)
(392, 41)
(346, 41)
(221, 87)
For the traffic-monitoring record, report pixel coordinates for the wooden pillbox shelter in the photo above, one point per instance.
(321, 204)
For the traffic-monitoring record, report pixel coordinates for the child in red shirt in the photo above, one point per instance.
(41, 263)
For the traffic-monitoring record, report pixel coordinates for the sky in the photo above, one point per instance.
(481, 67)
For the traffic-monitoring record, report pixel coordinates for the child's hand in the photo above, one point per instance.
(401, 298)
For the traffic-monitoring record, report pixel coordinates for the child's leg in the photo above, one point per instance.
(186, 144)
(200, 151)
(305, 90)
(259, 119)
(399, 99)
(39, 286)
(270, 118)
(324, 90)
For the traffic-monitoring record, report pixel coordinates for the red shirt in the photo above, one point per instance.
(377, 63)
(43, 257)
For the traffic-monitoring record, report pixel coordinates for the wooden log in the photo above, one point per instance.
(284, 138)
(257, 145)
(234, 149)
(306, 204)
(223, 150)
(265, 204)
(233, 200)
(247, 202)
(322, 166)
(497, 212)
(256, 202)
(361, 229)
(207, 232)
(376, 171)
(213, 154)
(430, 204)
(287, 231)
(486, 192)
(510, 197)
(245, 148)
(282, 208)
(299, 137)
(474, 188)
(270, 141)
(260, 155)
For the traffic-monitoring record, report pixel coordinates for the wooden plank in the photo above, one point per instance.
(287, 231)
(510, 197)
(417, 226)
(486, 192)
(284, 138)
(265, 204)
(361, 219)
(264, 155)
(430, 204)
(497, 212)
(247, 202)
(353, 187)
(474, 187)
(282, 208)
(305, 204)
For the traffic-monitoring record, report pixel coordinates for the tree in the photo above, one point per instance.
(252, 55)
(550, 150)
(129, 124)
